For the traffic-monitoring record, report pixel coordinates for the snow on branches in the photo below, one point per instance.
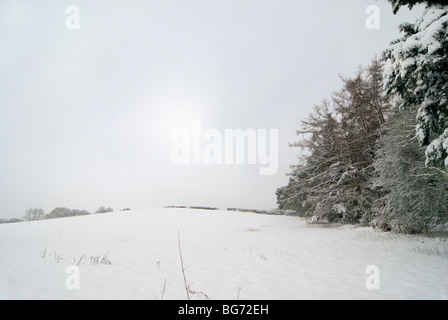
(416, 69)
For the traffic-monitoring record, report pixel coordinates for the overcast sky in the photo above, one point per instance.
(86, 115)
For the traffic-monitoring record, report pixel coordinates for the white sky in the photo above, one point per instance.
(86, 115)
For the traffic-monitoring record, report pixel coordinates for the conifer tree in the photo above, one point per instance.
(417, 71)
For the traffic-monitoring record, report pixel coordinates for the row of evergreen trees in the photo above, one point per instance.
(377, 152)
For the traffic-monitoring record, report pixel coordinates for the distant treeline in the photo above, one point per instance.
(35, 214)
(191, 207)
(13, 220)
(270, 211)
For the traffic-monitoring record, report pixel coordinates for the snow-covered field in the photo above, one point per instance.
(229, 255)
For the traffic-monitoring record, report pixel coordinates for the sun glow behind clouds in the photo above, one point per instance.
(145, 127)
(174, 113)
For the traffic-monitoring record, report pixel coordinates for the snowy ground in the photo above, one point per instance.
(228, 254)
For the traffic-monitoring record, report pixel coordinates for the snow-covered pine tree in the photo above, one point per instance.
(416, 69)
(339, 142)
(415, 196)
(362, 107)
(397, 4)
(308, 191)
